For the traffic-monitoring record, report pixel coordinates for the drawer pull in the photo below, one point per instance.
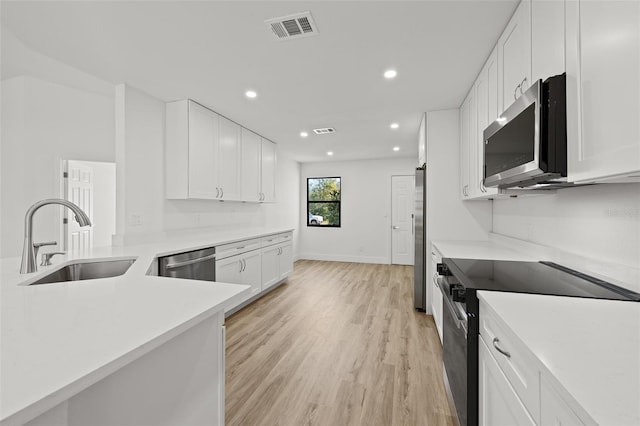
(240, 248)
(499, 349)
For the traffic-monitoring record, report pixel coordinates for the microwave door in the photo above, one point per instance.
(512, 142)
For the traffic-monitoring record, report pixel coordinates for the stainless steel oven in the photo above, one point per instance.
(194, 265)
(459, 343)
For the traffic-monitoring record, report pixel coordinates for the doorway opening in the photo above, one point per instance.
(402, 216)
(92, 186)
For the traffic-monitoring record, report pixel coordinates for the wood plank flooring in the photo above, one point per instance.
(338, 344)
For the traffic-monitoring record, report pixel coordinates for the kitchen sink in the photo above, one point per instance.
(86, 270)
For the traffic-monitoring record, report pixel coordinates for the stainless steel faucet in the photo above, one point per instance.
(28, 264)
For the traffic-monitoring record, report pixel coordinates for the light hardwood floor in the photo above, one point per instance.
(338, 344)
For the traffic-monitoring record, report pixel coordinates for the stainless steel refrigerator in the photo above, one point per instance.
(420, 229)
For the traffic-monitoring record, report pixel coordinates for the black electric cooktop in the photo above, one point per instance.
(533, 277)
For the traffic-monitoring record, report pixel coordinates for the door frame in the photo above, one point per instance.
(390, 215)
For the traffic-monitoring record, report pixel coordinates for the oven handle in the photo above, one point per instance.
(461, 322)
(189, 262)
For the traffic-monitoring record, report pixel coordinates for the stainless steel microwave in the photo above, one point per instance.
(527, 145)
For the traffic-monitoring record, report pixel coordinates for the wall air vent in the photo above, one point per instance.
(298, 25)
(324, 131)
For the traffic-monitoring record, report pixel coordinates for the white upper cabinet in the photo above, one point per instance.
(547, 39)
(208, 156)
(203, 140)
(258, 168)
(251, 166)
(603, 90)
(464, 149)
(486, 89)
(202, 156)
(229, 160)
(191, 155)
(514, 56)
(268, 171)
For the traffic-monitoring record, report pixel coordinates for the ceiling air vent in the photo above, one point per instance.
(298, 25)
(324, 131)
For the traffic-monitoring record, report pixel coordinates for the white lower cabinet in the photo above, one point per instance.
(514, 388)
(554, 409)
(498, 402)
(436, 294)
(258, 262)
(277, 263)
(286, 260)
(241, 269)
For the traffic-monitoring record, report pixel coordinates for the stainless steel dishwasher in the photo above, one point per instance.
(193, 265)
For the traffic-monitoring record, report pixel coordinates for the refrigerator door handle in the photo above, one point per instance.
(413, 222)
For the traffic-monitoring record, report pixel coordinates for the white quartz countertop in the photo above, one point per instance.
(58, 339)
(591, 348)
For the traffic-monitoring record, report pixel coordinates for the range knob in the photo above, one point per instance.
(459, 294)
(443, 270)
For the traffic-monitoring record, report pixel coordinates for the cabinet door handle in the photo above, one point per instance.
(221, 192)
(499, 349)
(521, 85)
(217, 192)
(244, 268)
(515, 91)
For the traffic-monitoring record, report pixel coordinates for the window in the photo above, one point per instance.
(323, 202)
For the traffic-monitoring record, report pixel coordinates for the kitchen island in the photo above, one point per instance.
(131, 349)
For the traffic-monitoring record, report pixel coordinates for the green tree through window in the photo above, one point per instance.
(323, 201)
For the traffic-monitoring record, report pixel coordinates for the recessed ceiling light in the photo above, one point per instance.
(394, 125)
(304, 134)
(390, 74)
(250, 94)
(329, 153)
(396, 148)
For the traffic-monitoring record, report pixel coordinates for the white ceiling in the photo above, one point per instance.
(213, 51)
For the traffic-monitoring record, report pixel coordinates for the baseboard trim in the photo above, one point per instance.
(341, 258)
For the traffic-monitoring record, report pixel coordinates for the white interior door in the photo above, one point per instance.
(402, 196)
(79, 190)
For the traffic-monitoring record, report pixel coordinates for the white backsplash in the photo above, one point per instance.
(599, 222)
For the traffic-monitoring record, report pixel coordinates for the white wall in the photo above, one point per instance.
(599, 222)
(43, 123)
(448, 217)
(140, 121)
(365, 232)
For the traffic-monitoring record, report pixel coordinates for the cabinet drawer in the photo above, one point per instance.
(514, 359)
(276, 239)
(238, 247)
(270, 240)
